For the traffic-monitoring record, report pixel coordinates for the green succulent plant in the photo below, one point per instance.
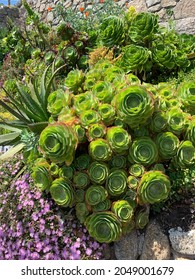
(58, 142)
(154, 187)
(96, 130)
(164, 56)
(62, 192)
(190, 132)
(66, 172)
(74, 80)
(185, 156)
(82, 162)
(81, 179)
(95, 194)
(103, 91)
(158, 122)
(81, 211)
(84, 101)
(123, 210)
(107, 113)
(98, 172)
(118, 161)
(136, 170)
(176, 121)
(132, 182)
(116, 183)
(118, 139)
(41, 174)
(79, 195)
(167, 144)
(142, 218)
(58, 100)
(187, 94)
(100, 150)
(104, 226)
(89, 117)
(102, 206)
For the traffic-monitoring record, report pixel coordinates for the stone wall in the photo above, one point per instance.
(183, 10)
(11, 12)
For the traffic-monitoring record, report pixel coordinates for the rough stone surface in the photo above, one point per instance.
(140, 5)
(179, 256)
(127, 247)
(168, 3)
(156, 244)
(186, 25)
(152, 2)
(154, 8)
(182, 242)
(184, 9)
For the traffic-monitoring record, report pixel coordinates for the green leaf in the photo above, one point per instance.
(8, 137)
(12, 151)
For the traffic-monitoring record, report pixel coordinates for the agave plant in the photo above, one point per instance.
(118, 139)
(116, 183)
(81, 179)
(185, 156)
(58, 142)
(134, 58)
(98, 172)
(142, 27)
(168, 144)
(62, 192)
(134, 105)
(154, 187)
(104, 226)
(100, 150)
(111, 31)
(143, 151)
(41, 174)
(122, 210)
(95, 194)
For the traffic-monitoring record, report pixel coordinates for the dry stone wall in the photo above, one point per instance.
(11, 12)
(183, 10)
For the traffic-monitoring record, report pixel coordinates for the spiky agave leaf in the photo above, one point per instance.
(62, 192)
(58, 142)
(41, 174)
(122, 210)
(116, 183)
(118, 161)
(97, 130)
(133, 58)
(136, 170)
(107, 113)
(119, 139)
(89, 117)
(102, 206)
(98, 172)
(167, 144)
(74, 80)
(100, 150)
(95, 194)
(154, 187)
(111, 31)
(142, 218)
(104, 226)
(132, 182)
(176, 121)
(81, 211)
(142, 26)
(134, 105)
(81, 179)
(143, 151)
(185, 156)
(103, 91)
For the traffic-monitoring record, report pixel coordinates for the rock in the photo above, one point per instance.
(182, 242)
(186, 25)
(184, 9)
(42, 8)
(49, 17)
(140, 5)
(168, 3)
(150, 3)
(156, 244)
(155, 8)
(127, 247)
(179, 256)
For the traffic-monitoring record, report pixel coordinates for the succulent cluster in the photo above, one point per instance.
(107, 145)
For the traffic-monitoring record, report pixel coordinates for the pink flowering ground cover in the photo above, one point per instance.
(32, 227)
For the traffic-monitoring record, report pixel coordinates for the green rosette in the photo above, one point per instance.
(80, 133)
(176, 121)
(132, 79)
(143, 151)
(104, 226)
(111, 31)
(134, 105)
(81, 180)
(133, 58)
(66, 172)
(57, 101)
(185, 156)
(89, 117)
(164, 55)
(130, 195)
(100, 150)
(190, 132)
(95, 194)
(167, 144)
(136, 170)
(62, 192)
(84, 101)
(116, 183)
(142, 218)
(142, 27)
(154, 187)
(107, 113)
(187, 94)
(140, 132)
(58, 142)
(54, 169)
(158, 122)
(123, 210)
(159, 167)
(118, 161)
(132, 182)
(103, 91)
(128, 227)
(79, 195)
(75, 80)
(118, 139)
(41, 174)
(98, 172)
(82, 162)
(70, 55)
(102, 206)
(97, 130)
(81, 211)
